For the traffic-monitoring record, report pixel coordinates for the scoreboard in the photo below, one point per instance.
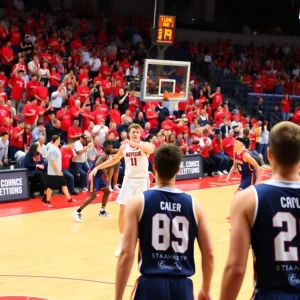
(166, 30)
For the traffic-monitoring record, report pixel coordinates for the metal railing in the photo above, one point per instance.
(274, 120)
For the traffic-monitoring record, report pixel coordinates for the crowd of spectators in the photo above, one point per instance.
(56, 80)
(260, 70)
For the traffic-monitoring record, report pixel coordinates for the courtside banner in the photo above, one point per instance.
(191, 167)
(14, 185)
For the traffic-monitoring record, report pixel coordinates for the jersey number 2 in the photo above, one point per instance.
(161, 233)
(133, 161)
(285, 236)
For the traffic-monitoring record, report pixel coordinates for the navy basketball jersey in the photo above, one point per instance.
(245, 169)
(275, 236)
(167, 231)
(99, 173)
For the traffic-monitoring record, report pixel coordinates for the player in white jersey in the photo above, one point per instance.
(136, 179)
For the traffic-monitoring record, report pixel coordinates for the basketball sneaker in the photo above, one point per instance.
(48, 204)
(104, 213)
(77, 216)
(116, 188)
(110, 189)
(71, 200)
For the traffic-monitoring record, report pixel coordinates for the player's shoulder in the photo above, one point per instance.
(135, 205)
(101, 154)
(245, 203)
(245, 154)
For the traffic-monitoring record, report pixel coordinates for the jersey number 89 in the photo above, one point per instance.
(163, 226)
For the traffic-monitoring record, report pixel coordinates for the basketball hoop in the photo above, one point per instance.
(172, 98)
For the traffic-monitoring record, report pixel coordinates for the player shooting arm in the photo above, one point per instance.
(241, 213)
(248, 158)
(144, 146)
(206, 248)
(125, 261)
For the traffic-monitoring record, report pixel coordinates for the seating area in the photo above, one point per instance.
(270, 102)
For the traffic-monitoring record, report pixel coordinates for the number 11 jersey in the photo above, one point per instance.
(275, 237)
(136, 162)
(167, 232)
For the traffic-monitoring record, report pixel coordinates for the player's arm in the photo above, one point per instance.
(101, 159)
(112, 161)
(242, 213)
(125, 261)
(146, 147)
(206, 248)
(248, 158)
(232, 170)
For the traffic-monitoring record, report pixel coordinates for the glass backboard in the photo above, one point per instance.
(165, 78)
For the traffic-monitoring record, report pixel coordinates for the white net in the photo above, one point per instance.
(173, 105)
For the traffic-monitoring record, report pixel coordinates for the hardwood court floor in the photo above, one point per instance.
(48, 254)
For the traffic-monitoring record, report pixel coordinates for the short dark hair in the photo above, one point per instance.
(167, 159)
(107, 143)
(70, 141)
(3, 133)
(55, 138)
(284, 143)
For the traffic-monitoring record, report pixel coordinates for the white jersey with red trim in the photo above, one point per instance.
(136, 162)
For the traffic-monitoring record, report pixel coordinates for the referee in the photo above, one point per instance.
(56, 178)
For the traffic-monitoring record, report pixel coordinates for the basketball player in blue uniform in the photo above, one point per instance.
(166, 222)
(267, 217)
(97, 183)
(246, 165)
